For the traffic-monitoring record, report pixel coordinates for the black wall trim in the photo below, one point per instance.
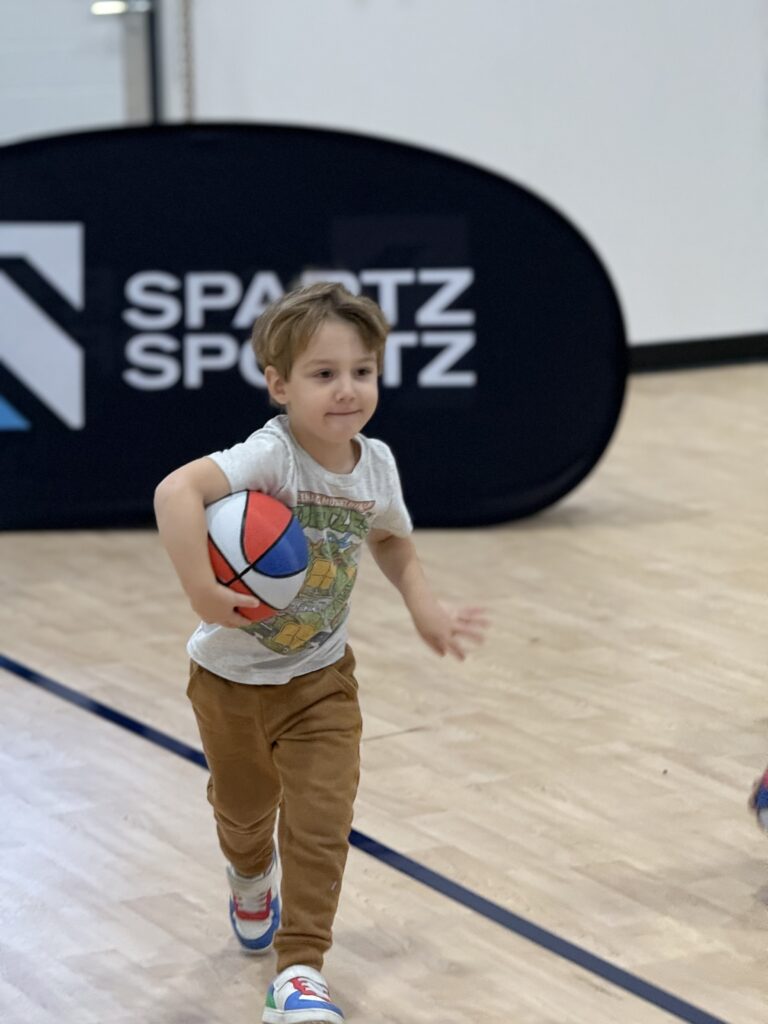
(683, 355)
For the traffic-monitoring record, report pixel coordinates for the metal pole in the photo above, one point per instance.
(141, 57)
(155, 58)
(188, 59)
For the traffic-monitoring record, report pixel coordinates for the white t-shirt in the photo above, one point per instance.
(336, 512)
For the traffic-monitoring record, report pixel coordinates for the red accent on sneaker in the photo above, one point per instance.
(306, 990)
(249, 915)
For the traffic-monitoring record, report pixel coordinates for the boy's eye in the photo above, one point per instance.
(361, 371)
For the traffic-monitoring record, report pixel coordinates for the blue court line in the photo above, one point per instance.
(439, 883)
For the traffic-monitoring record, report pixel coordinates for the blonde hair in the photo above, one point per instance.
(285, 328)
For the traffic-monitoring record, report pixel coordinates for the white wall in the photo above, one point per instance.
(642, 120)
(60, 69)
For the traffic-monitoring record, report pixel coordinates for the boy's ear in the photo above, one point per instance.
(275, 385)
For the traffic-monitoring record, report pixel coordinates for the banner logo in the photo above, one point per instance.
(33, 347)
(178, 345)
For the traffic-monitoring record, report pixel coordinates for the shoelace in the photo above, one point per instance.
(253, 909)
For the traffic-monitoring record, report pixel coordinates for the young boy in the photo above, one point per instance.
(276, 700)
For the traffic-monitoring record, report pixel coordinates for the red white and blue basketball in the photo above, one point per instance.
(257, 547)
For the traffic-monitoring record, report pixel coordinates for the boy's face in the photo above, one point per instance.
(333, 388)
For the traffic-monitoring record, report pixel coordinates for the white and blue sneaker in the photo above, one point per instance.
(254, 908)
(299, 995)
(758, 800)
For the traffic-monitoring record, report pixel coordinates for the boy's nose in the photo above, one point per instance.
(345, 386)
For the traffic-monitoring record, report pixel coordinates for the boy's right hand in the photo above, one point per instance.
(217, 605)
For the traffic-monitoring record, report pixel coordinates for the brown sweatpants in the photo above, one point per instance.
(295, 747)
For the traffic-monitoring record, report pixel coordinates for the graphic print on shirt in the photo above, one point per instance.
(335, 529)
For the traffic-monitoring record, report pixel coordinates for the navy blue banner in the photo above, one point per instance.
(133, 263)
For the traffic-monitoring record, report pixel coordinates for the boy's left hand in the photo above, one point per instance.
(444, 629)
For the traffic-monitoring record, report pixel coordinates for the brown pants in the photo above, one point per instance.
(295, 747)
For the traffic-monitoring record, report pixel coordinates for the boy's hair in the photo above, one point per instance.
(285, 328)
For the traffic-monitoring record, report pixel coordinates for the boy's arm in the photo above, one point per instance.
(180, 501)
(439, 628)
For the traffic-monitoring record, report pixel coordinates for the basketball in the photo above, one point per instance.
(257, 547)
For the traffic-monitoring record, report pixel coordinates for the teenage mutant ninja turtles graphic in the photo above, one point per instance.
(335, 529)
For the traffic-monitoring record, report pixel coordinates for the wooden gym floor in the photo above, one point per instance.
(587, 770)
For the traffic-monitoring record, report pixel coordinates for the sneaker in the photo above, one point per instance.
(299, 995)
(254, 908)
(758, 800)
